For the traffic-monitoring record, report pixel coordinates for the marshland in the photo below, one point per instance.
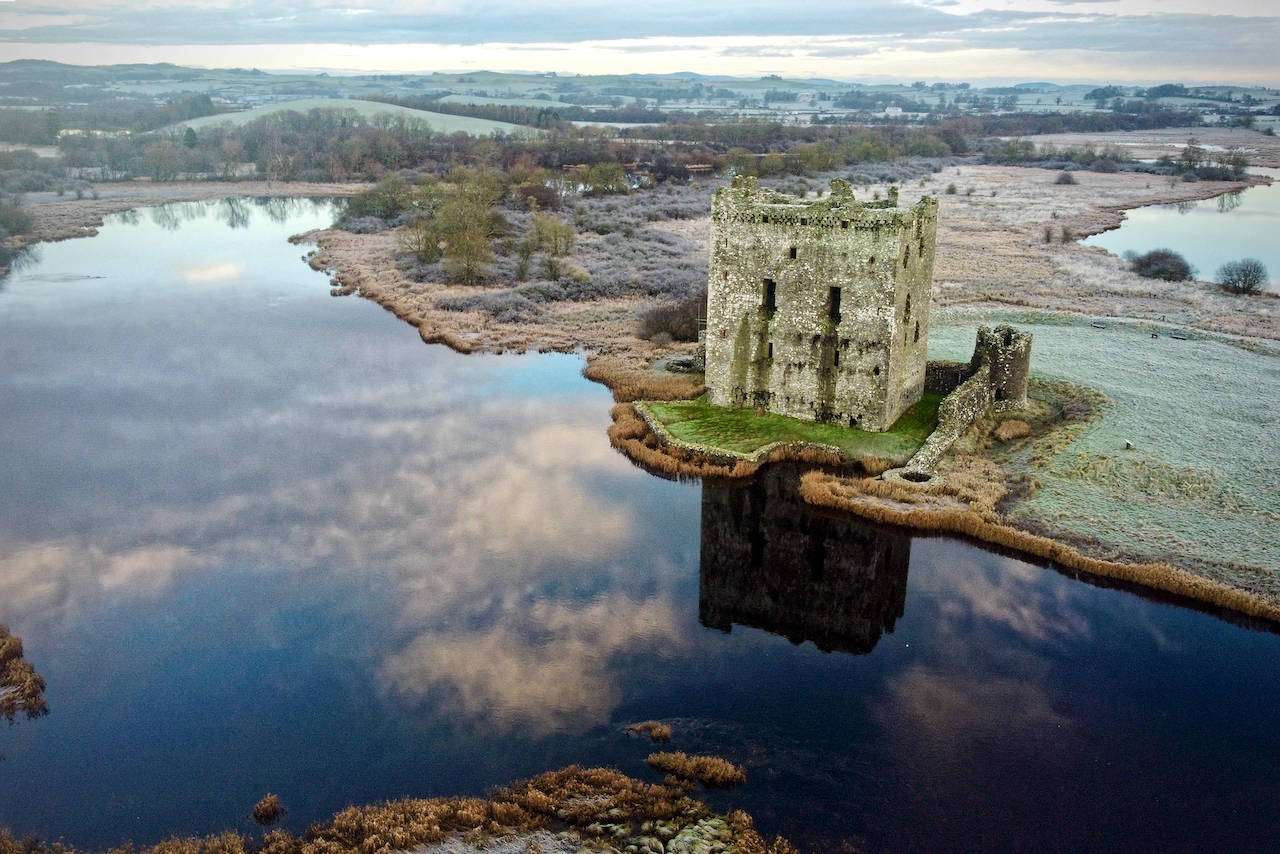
(259, 540)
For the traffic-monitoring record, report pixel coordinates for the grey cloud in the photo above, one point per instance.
(283, 22)
(871, 26)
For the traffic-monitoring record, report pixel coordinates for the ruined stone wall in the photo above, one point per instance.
(775, 336)
(969, 402)
(944, 377)
(770, 562)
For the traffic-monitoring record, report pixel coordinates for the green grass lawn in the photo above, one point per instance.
(743, 431)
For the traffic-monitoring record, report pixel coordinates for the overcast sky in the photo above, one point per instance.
(1131, 41)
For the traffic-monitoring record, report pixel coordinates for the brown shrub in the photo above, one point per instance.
(657, 732)
(268, 810)
(711, 771)
(21, 688)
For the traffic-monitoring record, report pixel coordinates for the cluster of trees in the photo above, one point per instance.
(1194, 163)
(1246, 276)
(456, 220)
(42, 127)
(340, 144)
(30, 127)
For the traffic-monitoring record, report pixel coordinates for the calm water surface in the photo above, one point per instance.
(259, 539)
(1208, 233)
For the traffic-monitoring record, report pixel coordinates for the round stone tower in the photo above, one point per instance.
(1008, 351)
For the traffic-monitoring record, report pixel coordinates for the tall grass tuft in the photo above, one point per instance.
(711, 771)
(658, 732)
(268, 811)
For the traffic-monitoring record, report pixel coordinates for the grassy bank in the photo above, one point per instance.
(743, 431)
(1195, 485)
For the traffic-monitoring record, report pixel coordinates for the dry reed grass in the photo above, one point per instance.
(1014, 428)
(711, 771)
(966, 504)
(631, 435)
(603, 808)
(658, 732)
(21, 688)
(629, 383)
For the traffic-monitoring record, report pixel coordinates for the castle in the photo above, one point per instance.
(819, 310)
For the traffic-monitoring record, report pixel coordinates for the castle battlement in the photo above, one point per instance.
(819, 310)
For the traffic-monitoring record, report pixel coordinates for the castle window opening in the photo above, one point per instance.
(803, 221)
(770, 301)
(835, 359)
(916, 338)
(844, 223)
(906, 313)
(871, 260)
(793, 253)
(833, 304)
(770, 349)
(876, 370)
(999, 394)
(1008, 337)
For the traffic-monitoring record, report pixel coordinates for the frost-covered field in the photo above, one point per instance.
(1201, 485)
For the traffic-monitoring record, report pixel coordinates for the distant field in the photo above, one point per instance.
(438, 121)
(506, 102)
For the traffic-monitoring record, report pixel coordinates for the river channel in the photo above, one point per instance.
(1208, 233)
(260, 539)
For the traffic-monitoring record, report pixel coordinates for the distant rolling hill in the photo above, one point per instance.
(439, 121)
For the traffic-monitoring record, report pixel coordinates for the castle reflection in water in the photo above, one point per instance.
(770, 562)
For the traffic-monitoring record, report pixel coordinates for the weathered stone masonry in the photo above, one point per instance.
(819, 310)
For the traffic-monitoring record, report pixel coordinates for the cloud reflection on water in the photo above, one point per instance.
(539, 669)
(323, 450)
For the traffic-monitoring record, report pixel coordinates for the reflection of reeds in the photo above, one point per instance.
(604, 808)
(930, 510)
(657, 732)
(21, 688)
(711, 771)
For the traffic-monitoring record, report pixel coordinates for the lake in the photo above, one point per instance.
(260, 539)
(1208, 233)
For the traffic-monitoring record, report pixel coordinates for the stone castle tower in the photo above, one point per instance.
(819, 310)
